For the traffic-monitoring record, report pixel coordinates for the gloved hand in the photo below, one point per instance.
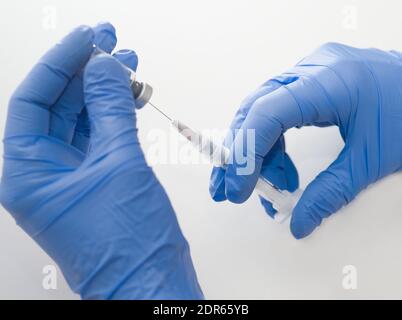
(99, 212)
(358, 90)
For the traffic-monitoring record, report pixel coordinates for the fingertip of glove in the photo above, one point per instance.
(302, 227)
(81, 36)
(235, 194)
(85, 31)
(216, 195)
(105, 25)
(217, 185)
(238, 188)
(128, 57)
(105, 36)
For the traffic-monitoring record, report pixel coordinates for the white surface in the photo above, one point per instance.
(216, 52)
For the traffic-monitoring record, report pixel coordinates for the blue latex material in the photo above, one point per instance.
(358, 90)
(98, 211)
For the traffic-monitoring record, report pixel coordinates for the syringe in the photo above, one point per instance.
(282, 201)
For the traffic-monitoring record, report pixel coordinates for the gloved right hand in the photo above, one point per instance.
(358, 90)
(99, 212)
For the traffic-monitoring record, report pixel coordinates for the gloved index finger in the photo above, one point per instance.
(268, 118)
(246, 105)
(68, 108)
(30, 103)
(127, 57)
(217, 181)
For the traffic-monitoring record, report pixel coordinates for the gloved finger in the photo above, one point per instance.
(269, 117)
(64, 114)
(278, 168)
(217, 184)
(82, 131)
(30, 104)
(110, 103)
(326, 194)
(127, 57)
(246, 105)
(105, 36)
(317, 98)
(217, 180)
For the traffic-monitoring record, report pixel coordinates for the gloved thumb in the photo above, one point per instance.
(110, 103)
(327, 193)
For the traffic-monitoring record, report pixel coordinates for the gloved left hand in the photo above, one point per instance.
(99, 212)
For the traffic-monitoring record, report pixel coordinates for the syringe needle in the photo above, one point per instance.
(160, 111)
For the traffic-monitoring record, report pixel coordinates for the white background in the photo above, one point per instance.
(203, 57)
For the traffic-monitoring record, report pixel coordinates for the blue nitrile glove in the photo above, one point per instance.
(358, 90)
(101, 215)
